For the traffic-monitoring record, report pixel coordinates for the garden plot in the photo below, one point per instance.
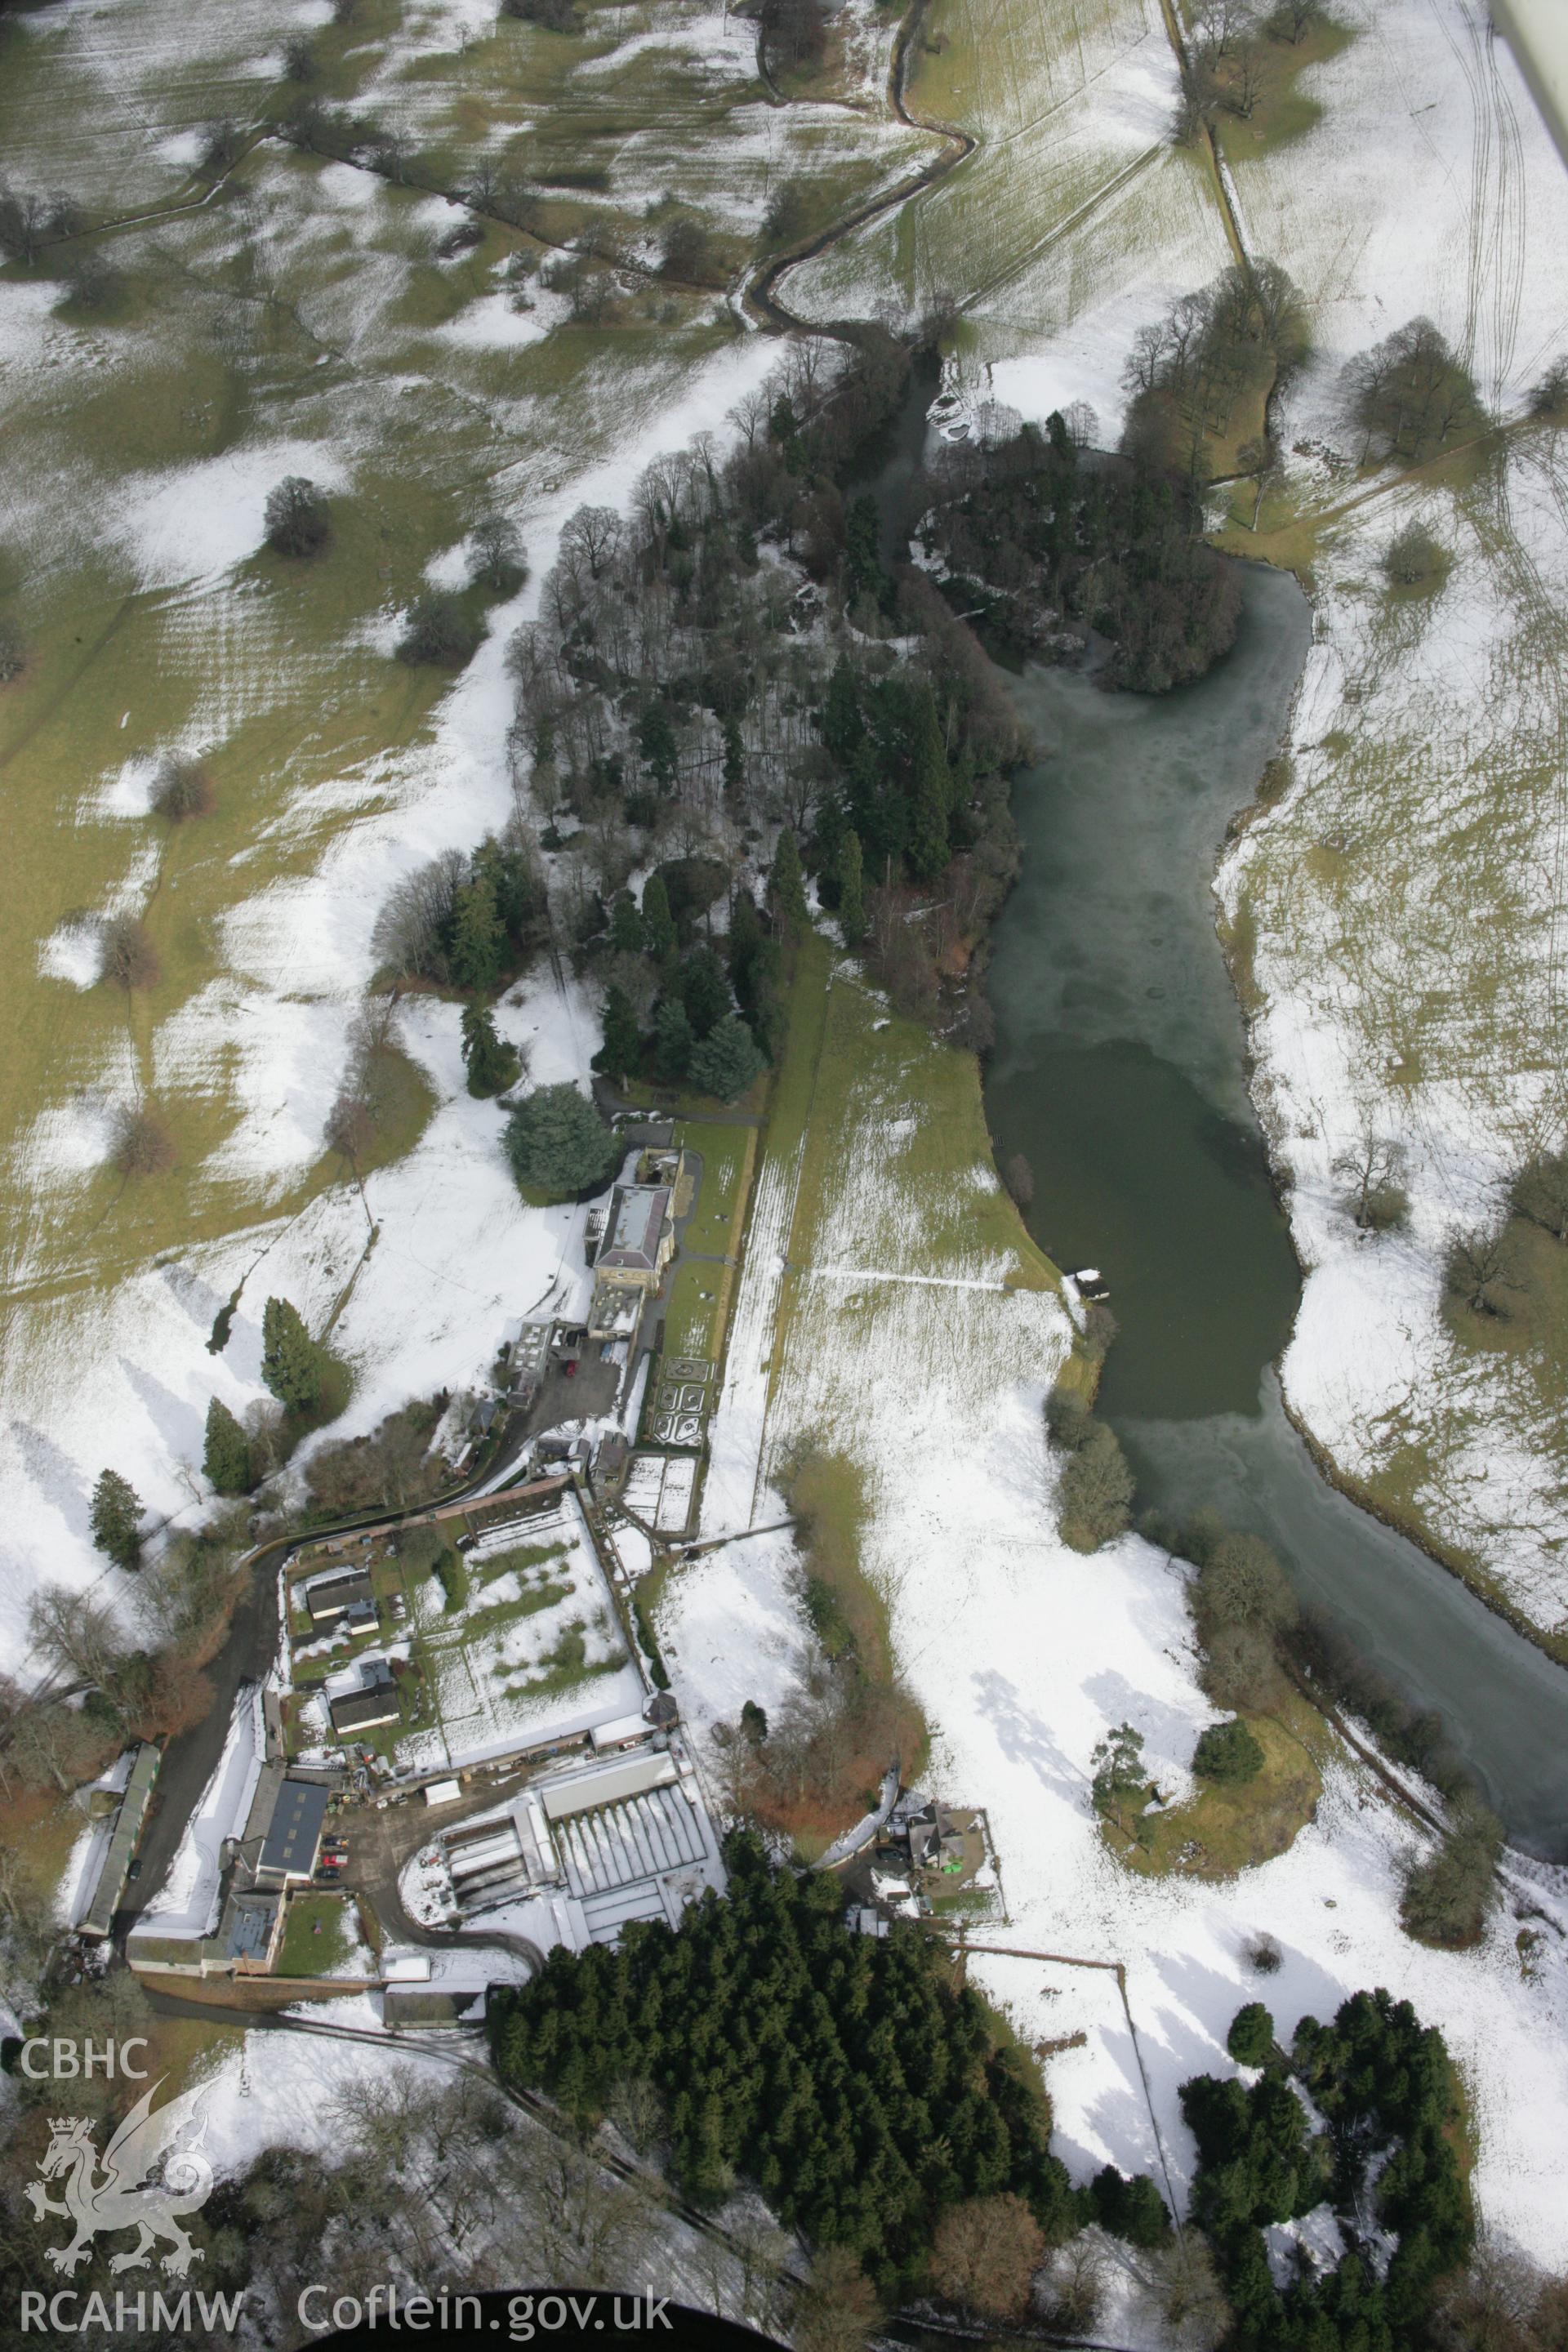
(534, 1652)
(659, 1488)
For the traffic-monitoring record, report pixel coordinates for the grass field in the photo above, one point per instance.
(317, 1935)
(1067, 224)
(1224, 1828)
(728, 1157)
(299, 321)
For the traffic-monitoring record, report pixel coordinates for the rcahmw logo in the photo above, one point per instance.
(121, 2194)
(66, 2312)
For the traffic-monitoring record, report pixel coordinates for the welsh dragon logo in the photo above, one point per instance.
(120, 2197)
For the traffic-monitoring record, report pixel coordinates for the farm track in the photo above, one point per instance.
(1496, 206)
(761, 296)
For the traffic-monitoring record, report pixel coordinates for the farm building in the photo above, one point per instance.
(292, 1836)
(328, 1597)
(363, 1711)
(115, 1867)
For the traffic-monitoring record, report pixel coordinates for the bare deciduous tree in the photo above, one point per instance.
(1373, 1167)
(984, 2254)
(142, 1144)
(1541, 1192)
(1482, 1272)
(837, 2309)
(130, 959)
(1019, 1177)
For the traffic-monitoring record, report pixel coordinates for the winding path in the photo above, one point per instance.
(761, 297)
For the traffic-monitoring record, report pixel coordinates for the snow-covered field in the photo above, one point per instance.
(1407, 896)
(1407, 899)
(1024, 1653)
(300, 323)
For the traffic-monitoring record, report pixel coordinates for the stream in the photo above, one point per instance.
(1119, 1072)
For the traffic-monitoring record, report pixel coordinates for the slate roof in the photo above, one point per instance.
(637, 1227)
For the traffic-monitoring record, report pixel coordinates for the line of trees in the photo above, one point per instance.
(1238, 339)
(468, 922)
(813, 1765)
(1410, 394)
(1094, 1493)
(1249, 1625)
(1236, 57)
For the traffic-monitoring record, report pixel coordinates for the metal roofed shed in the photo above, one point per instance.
(362, 1710)
(328, 1596)
(442, 1793)
(625, 1731)
(293, 1837)
(405, 1967)
(608, 1785)
(428, 2005)
(115, 1868)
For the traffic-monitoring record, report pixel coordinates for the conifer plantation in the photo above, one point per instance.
(850, 2077)
(1378, 2147)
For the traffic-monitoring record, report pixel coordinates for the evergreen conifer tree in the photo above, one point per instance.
(557, 1143)
(622, 1048)
(787, 885)
(725, 1062)
(704, 990)
(842, 726)
(116, 1519)
(656, 741)
(930, 793)
(625, 925)
(290, 1360)
(492, 1064)
(734, 756)
(851, 891)
(477, 955)
(659, 923)
(673, 1041)
(862, 547)
(225, 1456)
